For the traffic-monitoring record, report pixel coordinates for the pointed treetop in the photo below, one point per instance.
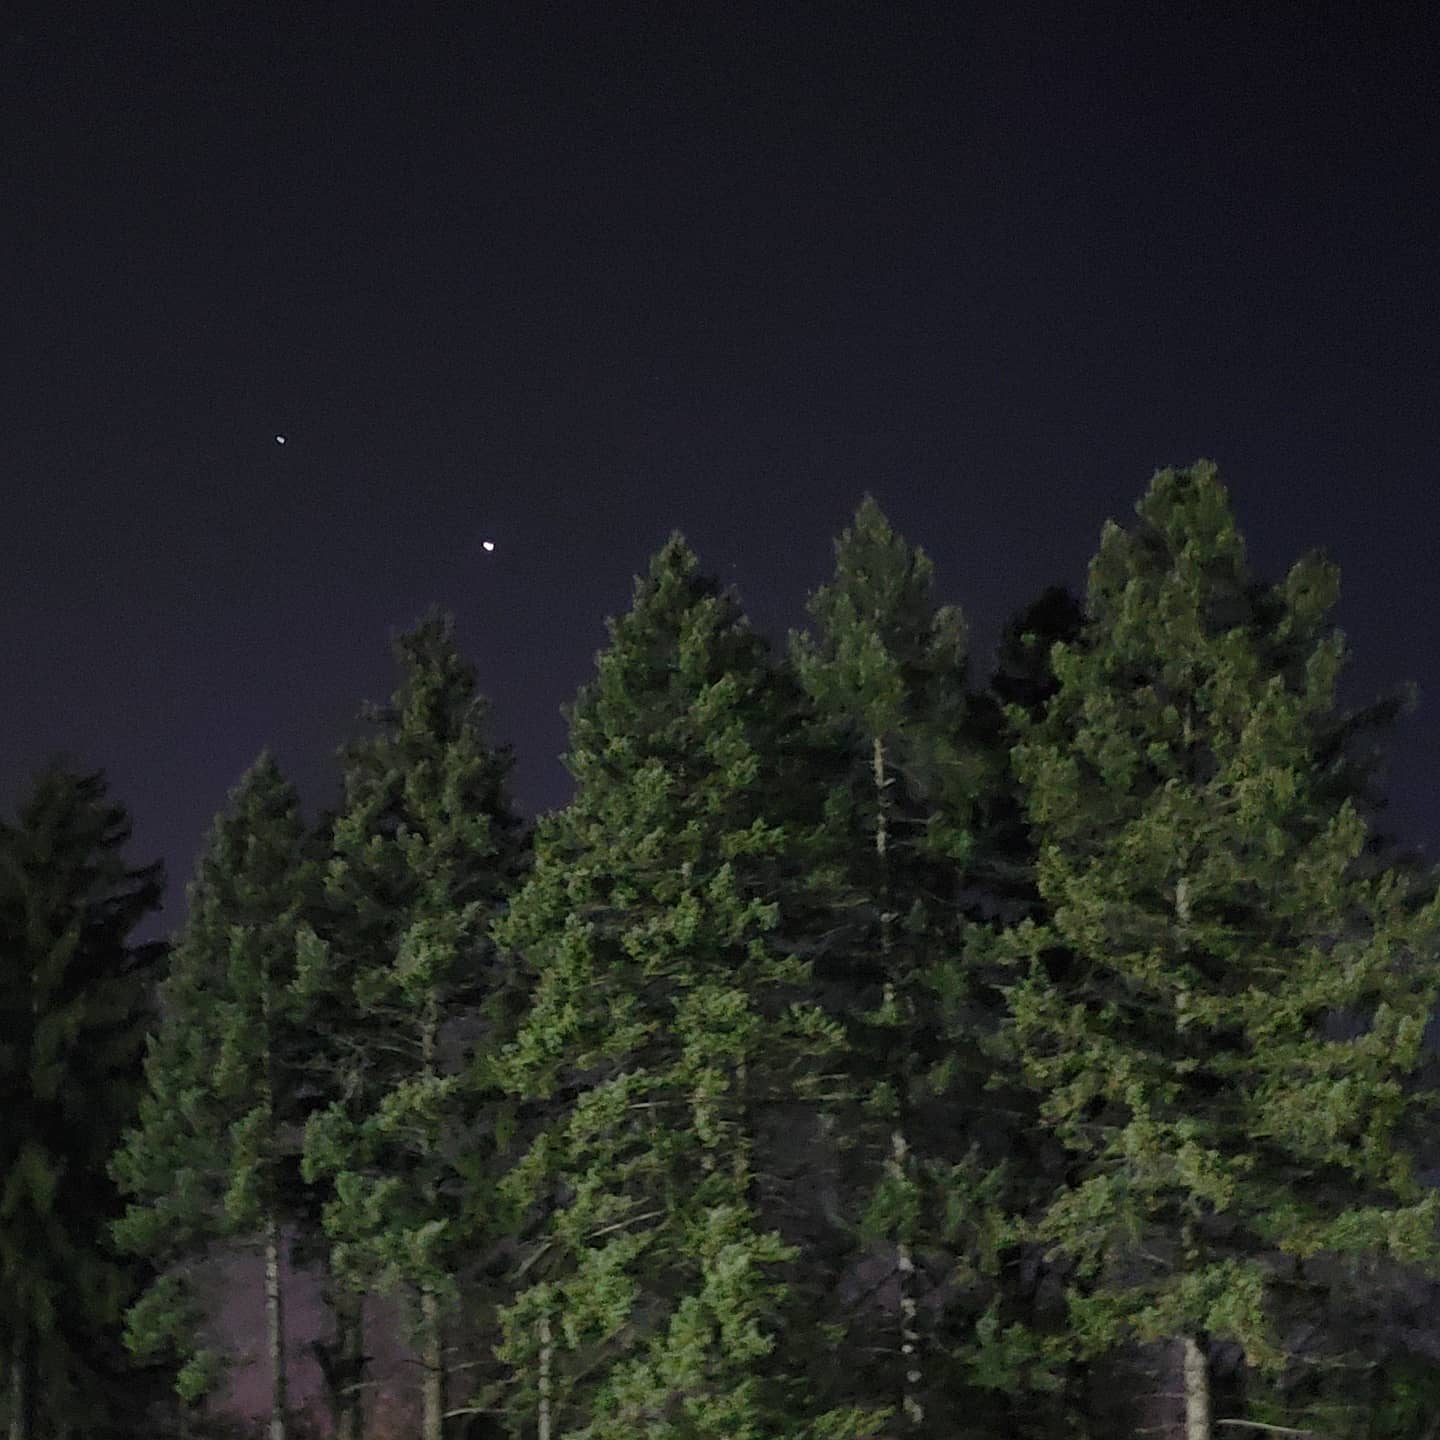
(682, 634)
(427, 767)
(877, 570)
(431, 637)
(262, 783)
(674, 556)
(672, 576)
(1185, 565)
(262, 797)
(882, 641)
(1187, 525)
(433, 674)
(65, 819)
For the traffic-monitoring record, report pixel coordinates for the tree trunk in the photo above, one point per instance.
(275, 1330)
(899, 1161)
(432, 1338)
(432, 1358)
(1197, 1390)
(547, 1355)
(274, 1299)
(22, 1398)
(1196, 1362)
(905, 1271)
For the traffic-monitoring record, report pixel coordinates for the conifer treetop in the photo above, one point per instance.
(883, 644)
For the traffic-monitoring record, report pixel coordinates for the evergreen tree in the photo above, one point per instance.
(74, 1007)
(425, 851)
(214, 1158)
(665, 1013)
(894, 870)
(1022, 1353)
(1208, 906)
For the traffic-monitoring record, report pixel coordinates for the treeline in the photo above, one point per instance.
(868, 1049)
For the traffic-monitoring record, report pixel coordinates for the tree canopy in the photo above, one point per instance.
(874, 1045)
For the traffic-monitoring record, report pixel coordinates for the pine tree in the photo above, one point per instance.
(214, 1158)
(664, 1015)
(892, 861)
(318, 1075)
(1208, 906)
(74, 1007)
(425, 851)
(1018, 1350)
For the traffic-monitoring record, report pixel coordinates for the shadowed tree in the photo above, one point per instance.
(424, 853)
(1208, 907)
(910, 771)
(1003, 862)
(215, 1156)
(74, 1008)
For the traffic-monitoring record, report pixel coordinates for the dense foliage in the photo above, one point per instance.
(868, 1049)
(422, 856)
(213, 1157)
(75, 1005)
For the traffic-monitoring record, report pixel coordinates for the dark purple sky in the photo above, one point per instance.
(568, 276)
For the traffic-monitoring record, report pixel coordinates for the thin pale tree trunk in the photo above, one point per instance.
(274, 1297)
(22, 1399)
(1196, 1363)
(905, 1272)
(432, 1358)
(547, 1356)
(275, 1330)
(1197, 1390)
(899, 1160)
(432, 1335)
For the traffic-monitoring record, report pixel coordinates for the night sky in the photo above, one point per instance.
(566, 277)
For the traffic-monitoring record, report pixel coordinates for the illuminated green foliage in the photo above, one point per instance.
(1209, 911)
(214, 1156)
(666, 1012)
(424, 852)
